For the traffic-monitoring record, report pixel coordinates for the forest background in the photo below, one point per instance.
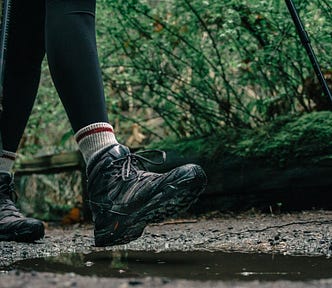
(196, 75)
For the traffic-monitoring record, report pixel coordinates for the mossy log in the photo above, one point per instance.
(236, 183)
(286, 164)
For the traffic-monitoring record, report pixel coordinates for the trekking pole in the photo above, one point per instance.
(306, 43)
(3, 40)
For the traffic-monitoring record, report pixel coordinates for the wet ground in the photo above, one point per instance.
(210, 251)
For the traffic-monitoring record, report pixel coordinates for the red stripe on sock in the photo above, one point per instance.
(94, 131)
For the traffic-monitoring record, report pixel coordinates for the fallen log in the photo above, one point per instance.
(236, 183)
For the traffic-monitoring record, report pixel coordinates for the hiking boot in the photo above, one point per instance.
(124, 199)
(13, 225)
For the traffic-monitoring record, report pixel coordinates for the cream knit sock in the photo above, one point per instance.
(94, 137)
(7, 160)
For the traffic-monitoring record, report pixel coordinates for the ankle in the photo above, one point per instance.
(94, 138)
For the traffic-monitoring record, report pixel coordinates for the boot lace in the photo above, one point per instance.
(130, 163)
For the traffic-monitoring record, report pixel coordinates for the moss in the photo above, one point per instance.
(285, 140)
(290, 139)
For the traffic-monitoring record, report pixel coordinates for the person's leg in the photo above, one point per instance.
(123, 198)
(25, 52)
(73, 61)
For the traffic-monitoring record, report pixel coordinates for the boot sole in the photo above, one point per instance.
(172, 200)
(28, 234)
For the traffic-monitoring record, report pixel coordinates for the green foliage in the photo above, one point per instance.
(200, 66)
(49, 197)
(48, 124)
(206, 65)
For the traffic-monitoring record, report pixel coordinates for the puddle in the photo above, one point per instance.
(184, 265)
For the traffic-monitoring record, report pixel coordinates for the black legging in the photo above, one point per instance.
(65, 29)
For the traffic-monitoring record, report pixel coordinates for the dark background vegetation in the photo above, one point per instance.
(229, 74)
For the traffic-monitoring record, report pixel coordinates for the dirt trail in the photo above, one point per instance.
(305, 233)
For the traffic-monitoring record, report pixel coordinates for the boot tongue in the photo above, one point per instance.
(113, 152)
(117, 152)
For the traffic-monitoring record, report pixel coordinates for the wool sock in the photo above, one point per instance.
(93, 138)
(7, 160)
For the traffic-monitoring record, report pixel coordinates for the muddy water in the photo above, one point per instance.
(184, 265)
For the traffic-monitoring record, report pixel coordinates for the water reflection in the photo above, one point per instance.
(184, 265)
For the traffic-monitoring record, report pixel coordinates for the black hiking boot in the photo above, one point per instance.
(124, 199)
(13, 225)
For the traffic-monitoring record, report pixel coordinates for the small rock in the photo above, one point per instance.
(135, 282)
